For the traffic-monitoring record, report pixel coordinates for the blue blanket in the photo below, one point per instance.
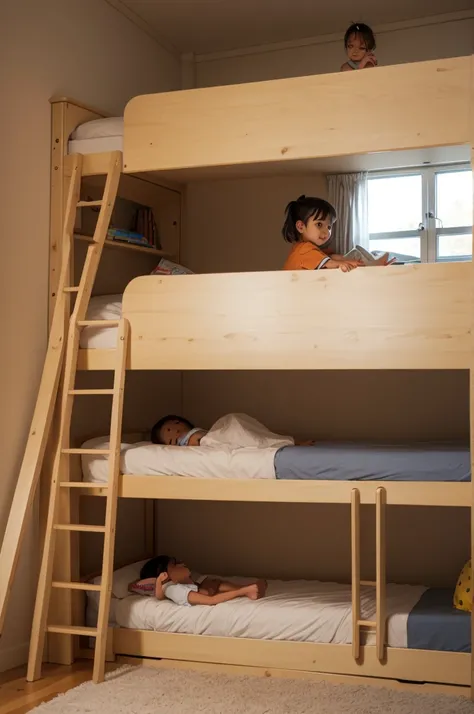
(434, 624)
(376, 462)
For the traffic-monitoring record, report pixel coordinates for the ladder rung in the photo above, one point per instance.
(369, 583)
(85, 451)
(98, 323)
(72, 630)
(82, 204)
(71, 290)
(79, 527)
(76, 586)
(83, 484)
(91, 391)
(367, 623)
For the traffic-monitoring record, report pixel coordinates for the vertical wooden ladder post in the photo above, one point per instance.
(111, 506)
(471, 372)
(380, 580)
(355, 552)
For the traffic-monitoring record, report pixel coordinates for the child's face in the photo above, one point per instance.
(316, 231)
(356, 48)
(178, 572)
(172, 430)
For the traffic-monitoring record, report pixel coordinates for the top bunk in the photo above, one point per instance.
(404, 317)
(294, 124)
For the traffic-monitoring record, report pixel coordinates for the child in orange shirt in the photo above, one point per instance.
(308, 227)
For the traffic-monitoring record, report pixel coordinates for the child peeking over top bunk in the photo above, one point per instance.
(308, 225)
(167, 578)
(359, 43)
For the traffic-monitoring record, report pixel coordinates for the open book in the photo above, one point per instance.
(369, 260)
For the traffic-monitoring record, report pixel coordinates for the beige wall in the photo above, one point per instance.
(394, 46)
(84, 49)
(235, 225)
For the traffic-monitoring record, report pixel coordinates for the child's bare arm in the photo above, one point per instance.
(160, 581)
(344, 265)
(250, 591)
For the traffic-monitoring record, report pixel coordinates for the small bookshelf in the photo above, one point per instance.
(122, 245)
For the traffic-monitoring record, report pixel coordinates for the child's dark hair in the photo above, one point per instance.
(304, 208)
(156, 566)
(358, 28)
(156, 429)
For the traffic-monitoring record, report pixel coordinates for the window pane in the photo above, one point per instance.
(454, 246)
(454, 199)
(406, 248)
(395, 204)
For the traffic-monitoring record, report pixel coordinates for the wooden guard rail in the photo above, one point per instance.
(379, 624)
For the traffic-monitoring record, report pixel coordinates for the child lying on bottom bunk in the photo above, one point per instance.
(167, 578)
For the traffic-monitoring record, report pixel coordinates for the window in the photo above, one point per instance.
(423, 215)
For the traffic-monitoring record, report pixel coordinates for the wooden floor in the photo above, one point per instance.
(18, 696)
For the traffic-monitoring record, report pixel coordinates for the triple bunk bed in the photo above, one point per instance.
(422, 319)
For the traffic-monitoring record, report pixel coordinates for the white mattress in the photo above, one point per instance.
(297, 611)
(97, 136)
(95, 146)
(145, 458)
(102, 307)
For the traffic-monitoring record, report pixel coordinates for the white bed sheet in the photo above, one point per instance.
(102, 307)
(296, 611)
(145, 458)
(95, 146)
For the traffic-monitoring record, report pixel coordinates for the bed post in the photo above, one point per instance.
(65, 116)
(471, 371)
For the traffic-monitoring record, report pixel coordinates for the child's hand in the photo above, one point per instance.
(162, 578)
(347, 265)
(369, 60)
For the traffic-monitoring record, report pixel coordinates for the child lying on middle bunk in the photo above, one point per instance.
(174, 430)
(308, 226)
(167, 578)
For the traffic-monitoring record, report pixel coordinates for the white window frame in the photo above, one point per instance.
(430, 229)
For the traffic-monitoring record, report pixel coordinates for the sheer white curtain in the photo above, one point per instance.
(348, 193)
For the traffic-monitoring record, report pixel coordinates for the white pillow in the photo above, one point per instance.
(99, 128)
(105, 307)
(122, 579)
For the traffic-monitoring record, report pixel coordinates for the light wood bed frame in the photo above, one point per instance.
(423, 317)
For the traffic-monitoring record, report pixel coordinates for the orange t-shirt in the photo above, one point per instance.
(305, 256)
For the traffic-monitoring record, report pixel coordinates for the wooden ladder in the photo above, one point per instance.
(63, 450)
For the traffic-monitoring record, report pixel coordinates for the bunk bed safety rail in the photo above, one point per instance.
(379, 624)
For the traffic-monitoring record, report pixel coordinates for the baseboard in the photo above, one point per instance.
(11, 657)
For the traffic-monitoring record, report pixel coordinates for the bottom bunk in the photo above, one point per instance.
(299, 625)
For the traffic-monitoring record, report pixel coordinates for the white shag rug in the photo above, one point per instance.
(139, 690)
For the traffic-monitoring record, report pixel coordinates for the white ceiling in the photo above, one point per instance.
(203, 26)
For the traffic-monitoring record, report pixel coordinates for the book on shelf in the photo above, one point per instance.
(125, 236)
